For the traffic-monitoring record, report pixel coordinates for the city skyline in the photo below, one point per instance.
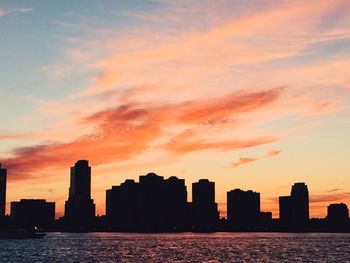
(241, 206)
(155, 204)
(248, 94)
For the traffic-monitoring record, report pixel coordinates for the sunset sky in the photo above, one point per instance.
(249, 94)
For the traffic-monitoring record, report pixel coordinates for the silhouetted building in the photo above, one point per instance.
(122, 205)
(300, 203)
(3, 178)
(243, 208)
(80, 208)
(294, 209)
(204, 209)
(152, 201)
(153, 204)
(338, 214)
(285, 209)
(32, 212)
(176, 212)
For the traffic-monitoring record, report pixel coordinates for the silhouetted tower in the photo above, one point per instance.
(152, 202)
(175, 202)
(243, 208)
(294, 209)
(338, 214)
(300, 203)
(204, 209)
(3, 178)
(80, 208)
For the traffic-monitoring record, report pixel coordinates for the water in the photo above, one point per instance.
(187, 247)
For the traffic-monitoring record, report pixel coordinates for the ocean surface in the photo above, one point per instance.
(183, 247)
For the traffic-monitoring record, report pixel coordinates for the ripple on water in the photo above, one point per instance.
(186, 247)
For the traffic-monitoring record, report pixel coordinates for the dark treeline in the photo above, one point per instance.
(155, 204)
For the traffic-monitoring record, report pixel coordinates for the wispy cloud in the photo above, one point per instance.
(186, 49)
(7, 11)
(246, 160)
(334, 196)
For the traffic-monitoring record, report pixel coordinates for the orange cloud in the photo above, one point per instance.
(125, 131)
(198, 145)
(242, 161)
(226, 106)
(333, 197)
(272, 153)
(145, 72)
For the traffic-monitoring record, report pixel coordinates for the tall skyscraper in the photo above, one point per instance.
(204, 209)
(176, 202)
(243, 208)
(294, 209)
(80, 208)
(300, 203)
(152, 200)
(3, 178)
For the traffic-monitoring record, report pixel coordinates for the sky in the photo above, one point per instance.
(249, 94)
